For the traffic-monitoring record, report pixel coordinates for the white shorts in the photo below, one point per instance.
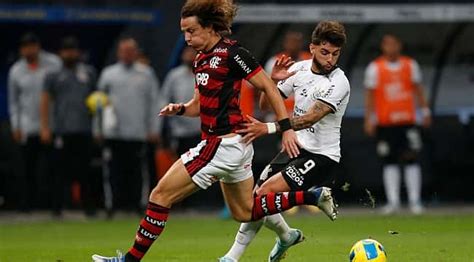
(224, 159)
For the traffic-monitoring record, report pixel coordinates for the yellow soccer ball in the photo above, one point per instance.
(95, 100)
(367, 250)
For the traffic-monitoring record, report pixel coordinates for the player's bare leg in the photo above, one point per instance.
(247, 231)
(276, 222)
(239, 199)
(173, 187)
(287, 236)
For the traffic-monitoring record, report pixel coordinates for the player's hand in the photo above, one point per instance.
(290, 144)
(153, 138)
(171, 109)
(45, 135)
(280, 68)
(427, 121)
(369, 128)
(17, 135)
(252, 130)
(99, 139)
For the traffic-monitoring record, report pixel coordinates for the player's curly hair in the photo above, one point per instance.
(216, 13)
(329, 31)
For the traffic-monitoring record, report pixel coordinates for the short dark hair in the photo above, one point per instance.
(69, 42)
(28, 39)
(128, 39)
(216, 13)
(392, 35)
(329, 31)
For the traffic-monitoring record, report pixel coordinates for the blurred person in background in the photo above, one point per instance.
(293, 47)
(393, 84)
(151, 144)
(177, 88)
(11, 166)
(65, 92)
(132, 89)
(25, 82)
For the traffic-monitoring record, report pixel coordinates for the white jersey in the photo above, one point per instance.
(334, 90)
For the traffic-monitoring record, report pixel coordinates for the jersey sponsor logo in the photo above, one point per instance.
(323, 93)
(263, 202)
(148, 234)
(220, 50)
(242, 64)
(304, 93)
(278, 202)
(294, 174)
(215, 62)
(202, 78)
(160, 223)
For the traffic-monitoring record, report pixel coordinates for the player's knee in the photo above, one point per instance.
(242, 216)
(160, 195)
(263, 190)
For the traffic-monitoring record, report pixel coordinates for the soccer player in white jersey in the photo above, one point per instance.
(321, 92)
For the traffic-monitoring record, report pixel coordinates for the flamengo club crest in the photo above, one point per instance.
(215, 61)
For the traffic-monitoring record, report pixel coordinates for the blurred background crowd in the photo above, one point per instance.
(57, 153)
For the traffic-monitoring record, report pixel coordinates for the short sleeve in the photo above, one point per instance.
(334, 93)
(49, 83)
(102, 84)
(242, 63)
(370, 76)
(416, 72)
(286, 87)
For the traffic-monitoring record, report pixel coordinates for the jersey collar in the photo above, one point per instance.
(212, 48)
(321, 74)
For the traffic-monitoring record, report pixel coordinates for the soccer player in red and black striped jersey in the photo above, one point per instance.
(222, 156)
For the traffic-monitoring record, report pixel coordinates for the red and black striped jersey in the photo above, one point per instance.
(219, 74)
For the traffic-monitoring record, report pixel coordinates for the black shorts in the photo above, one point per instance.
(398, 144)
(302, 172)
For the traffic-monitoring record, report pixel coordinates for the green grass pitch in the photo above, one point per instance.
(204, 238)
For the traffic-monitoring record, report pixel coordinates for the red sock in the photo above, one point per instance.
(150, 228)
(274, 203)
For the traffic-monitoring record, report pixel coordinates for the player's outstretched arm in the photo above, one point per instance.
(256, 129)
(425, 109)
(191, 108)
(289, 140)
(316, 113)
(369, 124)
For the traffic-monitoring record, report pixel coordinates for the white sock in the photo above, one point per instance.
(246, 234)
(413, 183)
(391, 181)
(278, 224)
